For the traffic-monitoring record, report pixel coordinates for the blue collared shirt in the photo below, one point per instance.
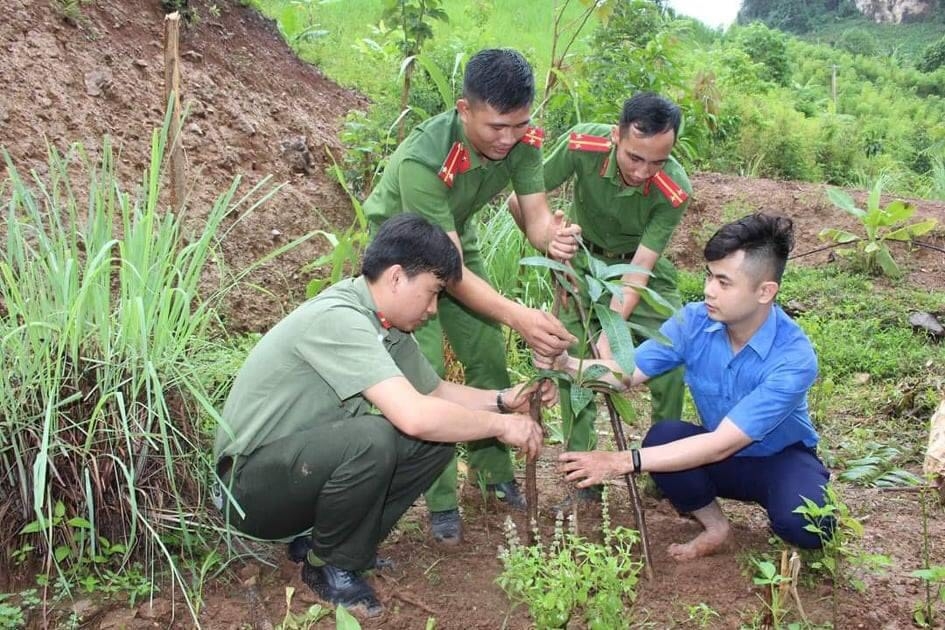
(762, 389)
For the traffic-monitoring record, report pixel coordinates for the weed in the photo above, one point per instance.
(302, 621)
(880, 226)
(572, 575)
(701, 614)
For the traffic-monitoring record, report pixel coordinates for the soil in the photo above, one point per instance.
(256, 111)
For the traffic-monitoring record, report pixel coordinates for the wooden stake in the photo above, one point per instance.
(934, 465)
(172, 100)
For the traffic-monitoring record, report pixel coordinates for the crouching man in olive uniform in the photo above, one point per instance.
(337, 423)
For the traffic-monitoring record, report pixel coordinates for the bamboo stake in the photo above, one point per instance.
(531, 466)
(620, 439)
(172, 99)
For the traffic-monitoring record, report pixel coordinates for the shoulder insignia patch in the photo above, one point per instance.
(585, 142)
(669, 188)
(534, 136)
(456, 162)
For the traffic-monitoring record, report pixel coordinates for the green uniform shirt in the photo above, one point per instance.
(411, 181)
(613, 216)
(312, 367)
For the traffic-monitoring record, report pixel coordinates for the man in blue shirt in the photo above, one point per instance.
(749, 367)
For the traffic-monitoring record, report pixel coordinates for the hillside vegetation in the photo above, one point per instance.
(758, 101)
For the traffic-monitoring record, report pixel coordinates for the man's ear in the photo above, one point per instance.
(462, 106)
(769, 290)
(395, 274)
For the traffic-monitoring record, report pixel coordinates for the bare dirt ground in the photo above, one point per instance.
(256, 110)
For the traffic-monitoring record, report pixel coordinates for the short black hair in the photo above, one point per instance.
(415, 244)
(650, 114)
(766, 239)
(500, 77)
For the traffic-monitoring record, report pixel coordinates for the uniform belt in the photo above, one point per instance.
(600, 251)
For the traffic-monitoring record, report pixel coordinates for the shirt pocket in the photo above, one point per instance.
(705, 388)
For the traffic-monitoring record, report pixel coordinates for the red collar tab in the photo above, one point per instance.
(534, 136)
(673, 192)
(385, 324)
(457, 161)
(587, 142)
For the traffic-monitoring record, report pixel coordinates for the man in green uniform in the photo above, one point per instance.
(336, 422)
(629, 196)
(446, 170)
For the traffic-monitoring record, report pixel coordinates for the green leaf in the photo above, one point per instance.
(344, 620)
(910, 231)
(837, 236)
(595, 289)
(887, 264)
(438, 78)
(624, 409)
(580, 398)
(845, 202)
(546, 263)
(61, 553)
(622, 269)
(618, 334)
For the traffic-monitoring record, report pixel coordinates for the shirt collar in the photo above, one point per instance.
(613, 174)
(763, 339)
(364, 297)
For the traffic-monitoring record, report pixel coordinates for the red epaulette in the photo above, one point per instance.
(457, 161)
(585, 142)
(668, 187)
(534, 136)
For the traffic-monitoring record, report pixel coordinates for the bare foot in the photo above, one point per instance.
(705, 544)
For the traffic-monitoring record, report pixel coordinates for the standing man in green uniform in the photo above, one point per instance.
(629, 196)
(450, 167)
(336, 422)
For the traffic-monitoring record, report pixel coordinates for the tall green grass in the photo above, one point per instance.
(105, 311)
(472, 25)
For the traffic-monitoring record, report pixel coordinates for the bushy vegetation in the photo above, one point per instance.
(757, 100)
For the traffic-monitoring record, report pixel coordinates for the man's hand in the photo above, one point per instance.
(558, 363)
(522, 432)
(543, 332)
(563, 238)
(518, 397)
(593, 467)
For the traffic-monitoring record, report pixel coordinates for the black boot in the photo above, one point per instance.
(342, 588)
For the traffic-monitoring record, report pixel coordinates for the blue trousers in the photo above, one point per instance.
(776, 482)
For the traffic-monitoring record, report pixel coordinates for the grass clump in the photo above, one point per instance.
(102, 325)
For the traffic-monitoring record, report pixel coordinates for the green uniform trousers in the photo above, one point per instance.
(349, 481)
(666, 390)
(480, 346)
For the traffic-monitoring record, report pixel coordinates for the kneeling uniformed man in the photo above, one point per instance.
(336, 423)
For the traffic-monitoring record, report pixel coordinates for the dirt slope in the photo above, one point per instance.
(249, 97)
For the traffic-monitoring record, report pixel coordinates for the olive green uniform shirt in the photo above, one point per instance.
(412, 183)
(312, 368)
(613, 216)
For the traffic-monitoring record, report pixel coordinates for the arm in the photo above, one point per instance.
(564, 362)
(541, 331)
(593, 467)
(546, 231)
(438, 419)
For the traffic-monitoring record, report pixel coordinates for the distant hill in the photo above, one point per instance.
(802, 16)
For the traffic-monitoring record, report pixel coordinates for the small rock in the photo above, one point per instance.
(140, 63)
(193, 55)
(155, 609)
(276, 234)
(861, 378)
(246, 125)
(119, 618)
(195, 129)
(97, 81)
(295, 152)
(926, 322)
(795, 308)
(250, 571)
(85, 608)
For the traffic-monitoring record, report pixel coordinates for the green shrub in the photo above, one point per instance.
(857, 41)
(933, 57)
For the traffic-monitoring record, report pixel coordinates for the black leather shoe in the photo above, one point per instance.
(342, 588)
(582, 496)
(446, 527)
(509, 493)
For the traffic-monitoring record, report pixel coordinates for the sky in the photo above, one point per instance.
(711, 12)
